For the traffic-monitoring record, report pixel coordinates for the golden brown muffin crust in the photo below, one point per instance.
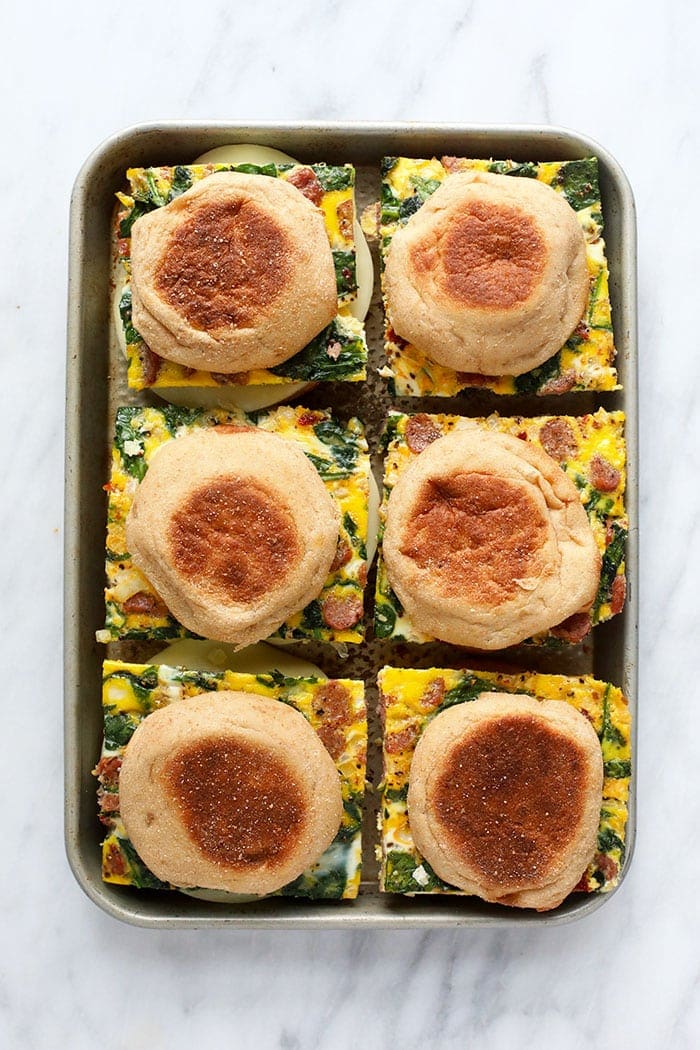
(478, 534)
(223, 265)
(490, 256)
(509, 799)
(504, 797)
(233, 533)
(239, 803)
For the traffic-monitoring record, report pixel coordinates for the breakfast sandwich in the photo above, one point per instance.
(494, 276)
(238, 274)
(221, 783)
(501, 530)
(234, 274)
(510, 787)
(236, 527)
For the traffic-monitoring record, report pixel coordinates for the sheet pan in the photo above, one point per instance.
(96, 385)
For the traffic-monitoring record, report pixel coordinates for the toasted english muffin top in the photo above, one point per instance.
(489, 276)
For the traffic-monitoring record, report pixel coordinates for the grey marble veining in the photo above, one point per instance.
(627, 975)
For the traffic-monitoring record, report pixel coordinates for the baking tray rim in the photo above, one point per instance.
(343, 914)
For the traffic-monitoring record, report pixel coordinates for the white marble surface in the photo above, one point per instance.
(624, 74)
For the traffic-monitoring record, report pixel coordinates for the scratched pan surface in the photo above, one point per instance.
(96, 385)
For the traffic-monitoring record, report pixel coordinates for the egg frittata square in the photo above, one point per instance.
(586, 361)
(409, 699)
(339, 352)
(130, 692)
(337, 451)
(589, 448)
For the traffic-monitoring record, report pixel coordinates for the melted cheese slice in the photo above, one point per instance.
(262, 658)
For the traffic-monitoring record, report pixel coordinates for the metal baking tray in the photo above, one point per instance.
(96, 384)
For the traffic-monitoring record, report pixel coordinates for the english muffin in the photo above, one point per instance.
(229, 791)
(486, 541)
(489, 276)
(234, 529)
(235, 274)
(504, 798)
